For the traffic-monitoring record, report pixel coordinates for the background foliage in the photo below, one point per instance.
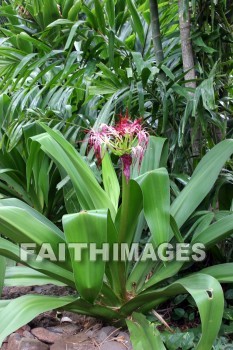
(74, 64)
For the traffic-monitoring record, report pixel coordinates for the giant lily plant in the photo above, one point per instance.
(116, 290)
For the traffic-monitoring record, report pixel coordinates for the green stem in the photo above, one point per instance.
(123, 232)
(124, 209)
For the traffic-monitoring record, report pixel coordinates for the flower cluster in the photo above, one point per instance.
(127, 139)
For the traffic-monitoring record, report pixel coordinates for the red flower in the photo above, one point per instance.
(127, 139)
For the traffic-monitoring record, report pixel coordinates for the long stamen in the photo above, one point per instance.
(127, 139)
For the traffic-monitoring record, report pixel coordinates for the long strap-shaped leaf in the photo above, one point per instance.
(138, 27)
(89, 192)
(14, 202)
(209, 236)
(22, 227)
(12, 251)
(215, 232)
(2, 272)
(24, 276)
(22, 310)
(87, 227)
(201, 181)
(155, 156)
(143, 334)
(222, 272)
(110, 180)
(208, 295)
(155, 188)
(156, 204)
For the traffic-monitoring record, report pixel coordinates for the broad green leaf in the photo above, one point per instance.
(22, 227)
(4, 303)
(84, 307)
(24, 276)
(87, 227)
(126, 220)
(155, 188)
(207, 293)
(22, 310)
(110, 180)
(59, 273)
(14, 202)
(201, 181)
(162, 272)
(222, 272)
(209, 236)
(113, 268)
(156, 208)
(155, 156)
(215, 232)
(89, 192)
(2, 272)
(200, 224)
(143, 334)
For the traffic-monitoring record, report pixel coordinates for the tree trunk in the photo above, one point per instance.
(188, 66)
(156, 35)
(186, 46)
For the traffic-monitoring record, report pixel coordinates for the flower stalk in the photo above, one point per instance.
(128, 140)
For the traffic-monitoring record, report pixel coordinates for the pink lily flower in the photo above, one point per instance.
(127, 139)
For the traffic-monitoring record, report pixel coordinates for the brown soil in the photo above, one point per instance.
(62, 330)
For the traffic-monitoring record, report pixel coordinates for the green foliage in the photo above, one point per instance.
(143, 334)
(40, 190)
(75, 57)
(74, 64)
(112, 289)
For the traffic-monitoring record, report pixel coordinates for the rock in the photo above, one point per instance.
(110, 330)
(76, 318)
(14, 341)
(67, 329)
(77, 339)
(93, 331)
(44, 335)
(28, 334)
(32, 344)
(61, 345)
(112, 345)
(124, 337)
(106, 333)
(66, 319)
(21, 330)
(65, 344)
(46, 319)
(76, 342)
